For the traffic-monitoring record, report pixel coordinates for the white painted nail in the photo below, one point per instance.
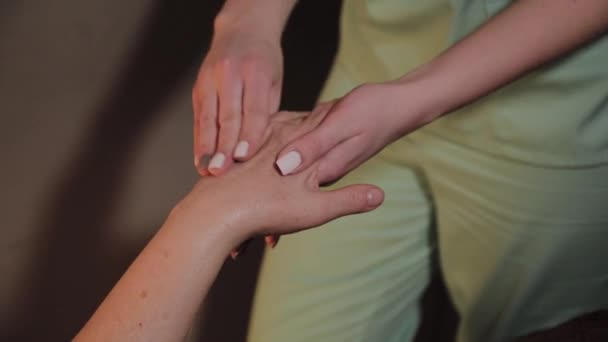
(289, 162)
(217, 161)
(241, 149)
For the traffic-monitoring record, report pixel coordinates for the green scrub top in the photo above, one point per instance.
(556, 116)
(511, 236)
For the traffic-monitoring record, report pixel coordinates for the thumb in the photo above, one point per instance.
(349, 200)
(307, 149)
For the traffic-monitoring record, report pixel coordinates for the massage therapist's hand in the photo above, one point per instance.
(346, 132)
(237, 88)
(372, 116)
(253, 198)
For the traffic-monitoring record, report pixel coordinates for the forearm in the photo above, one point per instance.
(267, 16)
(158, 296)
(523, 37)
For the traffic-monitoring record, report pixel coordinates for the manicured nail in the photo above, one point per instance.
(289, 162)
(374, 197)
(234, 254)
(217, 161)
(241, 149)
(271, 240)
(202, 162)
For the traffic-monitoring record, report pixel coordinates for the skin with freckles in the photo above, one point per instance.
(158, 296)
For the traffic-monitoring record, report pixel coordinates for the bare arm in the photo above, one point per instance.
(269, 16)
(158, 296)
(523, 37)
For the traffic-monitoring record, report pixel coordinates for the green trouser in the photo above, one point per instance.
(520, 227)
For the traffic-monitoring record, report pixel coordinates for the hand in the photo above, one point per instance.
(256, 198)
(346, 132)
(238, 87)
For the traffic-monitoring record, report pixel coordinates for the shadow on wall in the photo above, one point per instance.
(76, 261)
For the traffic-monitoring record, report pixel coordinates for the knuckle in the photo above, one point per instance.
(315, 146)
(225, 62)
(206, 119)
(227, 119)
(250, 64)
(225, 65)
(252, 106)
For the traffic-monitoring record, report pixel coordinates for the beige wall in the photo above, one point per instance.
(95, 135)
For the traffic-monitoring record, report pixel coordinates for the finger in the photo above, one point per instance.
(205, 128)
(229, 120)
(196, 129)
(339, 161)
(275, 96)
(310, 147)
(349, 200)
(256, 113)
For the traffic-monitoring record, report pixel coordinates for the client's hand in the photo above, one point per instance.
(253, 198)
(158, 297)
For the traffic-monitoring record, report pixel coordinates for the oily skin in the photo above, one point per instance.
(279, 204)
(157, 298)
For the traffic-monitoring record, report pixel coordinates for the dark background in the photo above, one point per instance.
(84, 89)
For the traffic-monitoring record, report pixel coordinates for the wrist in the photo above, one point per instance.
(427, 92)
(202, 218)
(249, 19)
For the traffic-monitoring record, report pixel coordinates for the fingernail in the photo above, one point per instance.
(374, 197)
(271, 240)
(234, 254)
(217, 161)
(241, 149)
(289, 162)
(203, 161)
